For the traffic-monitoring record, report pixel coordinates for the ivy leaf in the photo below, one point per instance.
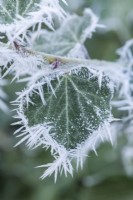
(69, 39)
(65, 107)
(77, 109)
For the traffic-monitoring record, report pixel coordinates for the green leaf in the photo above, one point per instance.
(78, 108)
(10, 8)
(69, 38)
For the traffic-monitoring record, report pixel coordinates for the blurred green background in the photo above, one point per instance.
(105, 176)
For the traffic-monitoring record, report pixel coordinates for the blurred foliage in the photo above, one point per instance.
(103, 176)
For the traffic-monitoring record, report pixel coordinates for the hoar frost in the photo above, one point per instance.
(71, 118)
(66, 105)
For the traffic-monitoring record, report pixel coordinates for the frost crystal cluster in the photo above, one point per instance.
(66, 103)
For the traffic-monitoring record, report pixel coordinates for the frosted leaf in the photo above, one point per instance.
(69, 39)
(77, 110)
(17, 17)
(70, 113)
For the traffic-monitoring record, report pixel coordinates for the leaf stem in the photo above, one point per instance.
(93, 63)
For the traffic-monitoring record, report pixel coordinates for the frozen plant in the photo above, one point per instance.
(66, 104)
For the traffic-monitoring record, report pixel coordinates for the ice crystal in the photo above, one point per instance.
(125, 95)
(3, 96)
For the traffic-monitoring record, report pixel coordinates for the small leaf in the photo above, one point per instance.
(70, 37)
(78, 108)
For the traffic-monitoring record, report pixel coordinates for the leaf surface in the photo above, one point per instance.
(78, 109)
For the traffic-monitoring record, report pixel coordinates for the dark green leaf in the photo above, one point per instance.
(78, 108)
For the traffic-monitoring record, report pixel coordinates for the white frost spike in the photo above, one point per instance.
(94, 24)
(126, 84)
(61, 164)
(100, 76)
(108, 132)
(3, 96)
(41, 93)
(43, 14)
(64, 1)
(80, 157)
